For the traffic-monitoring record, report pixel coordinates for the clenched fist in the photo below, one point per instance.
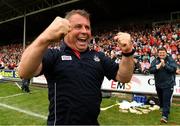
(124, 42)
(57, 29)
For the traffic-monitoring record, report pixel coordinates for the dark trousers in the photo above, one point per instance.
(25, 85)
(164, 96)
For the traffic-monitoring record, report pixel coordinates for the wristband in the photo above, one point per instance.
(129, 54)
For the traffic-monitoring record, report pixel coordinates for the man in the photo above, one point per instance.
(74, 73)
(25, 85)
(164, 70)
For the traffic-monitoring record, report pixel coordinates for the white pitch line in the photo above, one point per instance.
(11, 96)
(15, 95)
(18, 85)
(103, 109)
(23, 111)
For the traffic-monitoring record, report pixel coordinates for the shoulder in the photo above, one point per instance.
(53, 51)
(51, 54)
(169, 57)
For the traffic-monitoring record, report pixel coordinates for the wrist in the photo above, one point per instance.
(158, 66)
(129, 53)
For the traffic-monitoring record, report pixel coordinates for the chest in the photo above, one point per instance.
(69, 65)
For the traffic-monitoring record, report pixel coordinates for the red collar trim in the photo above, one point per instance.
(77, 53)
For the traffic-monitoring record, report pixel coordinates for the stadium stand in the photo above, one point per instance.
(12, 14)
(138, 19)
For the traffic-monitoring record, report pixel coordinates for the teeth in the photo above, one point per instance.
(82, 37)
(82, 40)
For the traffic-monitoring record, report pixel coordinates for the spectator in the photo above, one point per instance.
(1, 64)
(25, 85)
(137, 68)
(145, 65)
(164, 70)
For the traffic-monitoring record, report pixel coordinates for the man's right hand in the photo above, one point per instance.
(56, 30)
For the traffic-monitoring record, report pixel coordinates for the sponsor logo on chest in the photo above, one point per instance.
(96, 58)
(64, 57)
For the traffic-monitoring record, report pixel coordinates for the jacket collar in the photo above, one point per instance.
(64, 46)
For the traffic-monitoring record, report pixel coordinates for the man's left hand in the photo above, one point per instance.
(124, 42)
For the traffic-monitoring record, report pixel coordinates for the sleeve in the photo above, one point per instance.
(48, 60)
(170, 65)
(110, 67)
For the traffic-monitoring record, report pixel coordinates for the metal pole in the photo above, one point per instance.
(24, 33)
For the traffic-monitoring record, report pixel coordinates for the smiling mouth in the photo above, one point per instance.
(82, 40)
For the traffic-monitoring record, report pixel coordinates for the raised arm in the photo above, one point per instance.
(30, 64)
(126, 66)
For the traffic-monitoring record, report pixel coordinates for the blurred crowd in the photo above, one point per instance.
(146, 39)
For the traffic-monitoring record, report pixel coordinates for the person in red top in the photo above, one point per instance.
(74, 73)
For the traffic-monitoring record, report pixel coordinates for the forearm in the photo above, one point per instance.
(32, 57)
(126, 68)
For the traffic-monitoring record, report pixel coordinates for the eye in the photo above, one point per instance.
(78, 26)
(87, 27)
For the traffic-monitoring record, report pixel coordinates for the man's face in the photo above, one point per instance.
(80, 34)
(162, 54)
